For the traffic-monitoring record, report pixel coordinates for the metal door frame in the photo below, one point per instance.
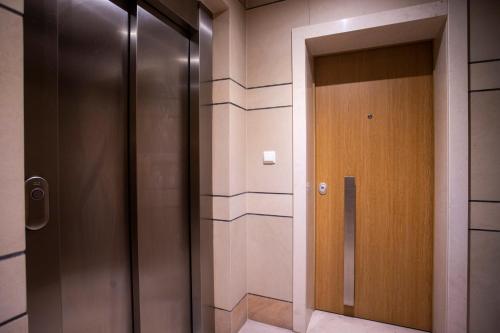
(41, 91)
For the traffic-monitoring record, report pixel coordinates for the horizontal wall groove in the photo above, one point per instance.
(483, 61)
(230, 79)
(270, 85)
(227, 103)
(253, 87)
(273, 298)
(11, 255)
(271, 107)
(244, 109)
(492, 201)
(12, 10)
(485, 230)
(234, 307)
(8, 321)
(252, 214)
(482, 90)
(265, 4)
(247, 192)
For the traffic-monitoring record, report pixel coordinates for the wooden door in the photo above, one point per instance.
(374, 121)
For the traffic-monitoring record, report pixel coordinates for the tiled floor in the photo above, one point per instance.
(256, 327)
(324, 322)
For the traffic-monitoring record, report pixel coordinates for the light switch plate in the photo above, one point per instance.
(269, 157)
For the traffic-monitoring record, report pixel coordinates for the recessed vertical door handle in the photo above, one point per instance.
(37, 203)
(349, 238)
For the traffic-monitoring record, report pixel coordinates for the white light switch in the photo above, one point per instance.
(269, 157)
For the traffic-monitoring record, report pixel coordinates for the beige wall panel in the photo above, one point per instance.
(484, 27)
(229, 208)
(269, 96)
(269, 32)
(237, 154)
(17, 326)
(270, 204)
(12, 287)
(485, 75)
(269, 256)
(17, 5)
(220, 44)
(331, 10)
(237, 40)
(228, 91)
(269, 129)
(484, 286)
(485, 215)
(11, 133)
(220, 149)
(229, 263)
(485, 147)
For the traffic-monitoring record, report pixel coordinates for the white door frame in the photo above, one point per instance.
(446, 24)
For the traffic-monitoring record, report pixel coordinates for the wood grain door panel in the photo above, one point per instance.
(374, 121)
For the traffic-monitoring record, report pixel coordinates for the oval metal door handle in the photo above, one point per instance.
(37, 203)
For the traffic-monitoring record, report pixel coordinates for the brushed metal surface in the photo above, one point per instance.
(201, 176)
(349, 238)
(163, 196)
(41, 155)
(94, 240)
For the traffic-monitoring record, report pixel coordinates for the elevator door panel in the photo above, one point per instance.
(162, 120)
(94, 228)
(374, 122)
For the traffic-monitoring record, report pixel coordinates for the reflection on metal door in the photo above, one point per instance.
(76, 138)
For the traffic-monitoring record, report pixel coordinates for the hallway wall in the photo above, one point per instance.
(253, 112)
(13, 317)
(484, 88)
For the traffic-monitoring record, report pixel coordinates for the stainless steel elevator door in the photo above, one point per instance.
(162, 134)
(94, 228)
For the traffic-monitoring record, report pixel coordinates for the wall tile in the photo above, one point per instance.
(229, 208)
(331, 10)
(229, 263)
(231, 321)
(269, 256)
(237, 40)
(17, 326)
(220, 45)
(485, 147)
(11, 134)
(269, 96)
(229, 91)
(485, 75)
(485, 215)
(220, 149)
(17, 5)
(269, 129)
(237, 150)
(270, 204)
(269, 31)
(12, 287)
(270, 311)
(483, 28)
(484, 286)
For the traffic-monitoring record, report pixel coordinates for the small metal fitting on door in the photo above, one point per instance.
(322, 188)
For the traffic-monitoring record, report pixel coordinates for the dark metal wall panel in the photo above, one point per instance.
(94, 228)
(201, 176)
(162, 153)
(181, 11)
